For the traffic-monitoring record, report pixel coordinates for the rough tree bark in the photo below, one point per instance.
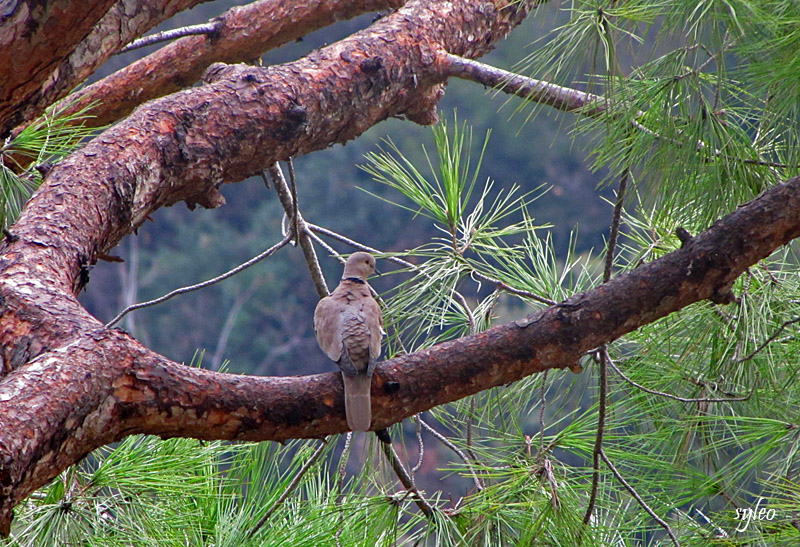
(69, 385)
(48, 48)
(243, 33)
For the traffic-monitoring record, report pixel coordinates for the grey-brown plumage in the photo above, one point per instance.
(348, 325)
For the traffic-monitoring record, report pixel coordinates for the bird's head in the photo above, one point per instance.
(360, 265)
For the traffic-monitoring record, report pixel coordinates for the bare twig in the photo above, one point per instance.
(769, 340)
(471, 417)
(330, 250)
(288, 198)
(418, 431)
(340, 472)
(353, 243)
(638, 498)
(291, 487)
(202, 285)
(561, 98)
(541, 416)
(602, 396)
(475, 478)
(615, 222)
(406, 264)
(405, 479)
(549, 474)
(172, 34)
(340, 481)
(467, 311)
(293, 187)
(670, 395)
(509, 289)
(598, 442)
(471, 452)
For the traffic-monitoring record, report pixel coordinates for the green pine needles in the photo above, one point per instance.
(700, 112)
(34, 150)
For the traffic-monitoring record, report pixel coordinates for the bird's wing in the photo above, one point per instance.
(328, 327)
(374, 320)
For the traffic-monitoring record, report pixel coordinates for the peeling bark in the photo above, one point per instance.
(103, 385)
(34, 38)
(69, 385)
(244, 33)
(48, 48)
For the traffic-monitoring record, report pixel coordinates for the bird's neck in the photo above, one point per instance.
(355, 280)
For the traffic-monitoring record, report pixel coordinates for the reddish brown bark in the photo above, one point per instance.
(70, 385)
(243, 34)
(34, 38)
(48, 48)
(102, 385)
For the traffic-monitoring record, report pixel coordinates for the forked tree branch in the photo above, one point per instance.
(242, 34)
(47, 51)
(70, 385)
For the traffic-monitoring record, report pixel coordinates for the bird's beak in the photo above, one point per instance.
(377, 271)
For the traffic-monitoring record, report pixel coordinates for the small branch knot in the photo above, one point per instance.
(684, 235)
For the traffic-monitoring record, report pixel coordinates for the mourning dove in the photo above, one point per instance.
(348, 325)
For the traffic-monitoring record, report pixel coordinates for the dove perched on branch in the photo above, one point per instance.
(349, 326)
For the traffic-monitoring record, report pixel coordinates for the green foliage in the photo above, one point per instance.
(44, 142)
(705, 102)
(702, 108)
(148, 492)
(478, 240)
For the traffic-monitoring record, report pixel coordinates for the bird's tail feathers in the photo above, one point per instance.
(357, 404)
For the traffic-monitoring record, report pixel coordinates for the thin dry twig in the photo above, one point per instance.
(475, 478)
(405, 479)
(470, 452)
(563, 98)
(769, 340)
(340, 473)
(598, 443)
(172, 34)
(541, 416)
(404, 263)
(418, 431)
(291, 487)
(509, 289)
(670, 395)
(202, 285)
(288, 198)
(616, 219)
(639, 499)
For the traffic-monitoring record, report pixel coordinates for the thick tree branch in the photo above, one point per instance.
(71, 385)
(184, 146)
(121, 388)
(83, 36)
(34, 38)
(242, 34)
